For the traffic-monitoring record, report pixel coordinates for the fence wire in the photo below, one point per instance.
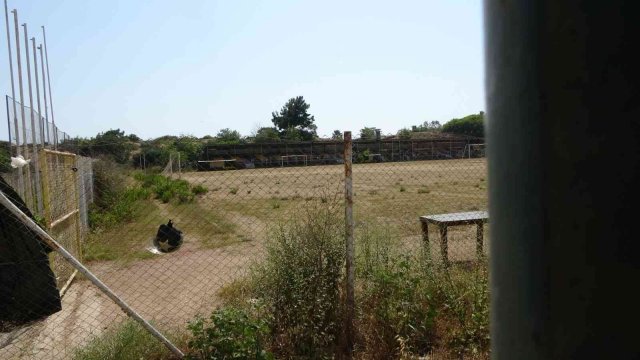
(240, 218)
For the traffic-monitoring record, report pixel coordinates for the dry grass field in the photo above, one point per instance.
(225, 228)
(392, 195)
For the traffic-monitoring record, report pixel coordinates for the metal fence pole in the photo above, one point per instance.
(13, 89)
(34, 142)
(44, 92)
(35, 72)
(27, 189)
(350, 246)
(53, 121)
(46, 238)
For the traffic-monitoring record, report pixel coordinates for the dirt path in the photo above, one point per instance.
(168, 290)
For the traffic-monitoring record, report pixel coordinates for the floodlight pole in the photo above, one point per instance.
(13, 90)
(44, 92)
(19, 63)
(26, 188)
(33, 120)
(53, 121)
(34, 141)
(35, 68)
(16, 128)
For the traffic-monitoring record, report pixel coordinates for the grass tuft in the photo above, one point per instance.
(128, 341)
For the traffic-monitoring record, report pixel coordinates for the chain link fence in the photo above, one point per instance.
(259, 230)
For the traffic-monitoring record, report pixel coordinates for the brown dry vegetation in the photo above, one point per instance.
(224, 231)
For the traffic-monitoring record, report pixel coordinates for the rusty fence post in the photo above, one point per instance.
(350, 246)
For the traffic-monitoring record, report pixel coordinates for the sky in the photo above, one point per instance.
(193, 67)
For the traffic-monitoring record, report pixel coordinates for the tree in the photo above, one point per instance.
(111, 143)
(337, 135)
(266, 135)
(368, 133)
(153, 155)
(190, 149)
(427, 126)
(294, 117)
(228, 136)
(292, 134)
(404, 134)
(471, 125)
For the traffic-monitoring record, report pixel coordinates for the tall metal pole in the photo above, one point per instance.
(27, 187)
(16, 128)
(44, 92)
(53, 121)
(34, 142)
(35, 72)
(19, 63)
(13, 89)
(33, 120)
(8, 120)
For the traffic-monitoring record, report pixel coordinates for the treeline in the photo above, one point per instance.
(470, 125)
(292, 123)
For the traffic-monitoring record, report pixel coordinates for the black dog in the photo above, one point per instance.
(168, 238)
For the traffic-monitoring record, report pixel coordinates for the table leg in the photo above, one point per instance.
(479, 239)
(444, 245)
(425, 238)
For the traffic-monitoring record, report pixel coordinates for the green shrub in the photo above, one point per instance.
(113, 202)
(403, 189)
(299, 283)
(406, 306)
(233, 191)
(471, 125)
(230, 333)
(396, 300)
(363, 157)
(167, 189)
(465, 296)
(127, 341)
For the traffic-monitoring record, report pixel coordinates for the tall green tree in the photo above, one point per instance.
(266, 135)
(404, 134)
(112, 143)
(368, 133)
(295, 118)
(189, 146)
(427, 126)
(471, 125)
(337, 135)
(228, 136)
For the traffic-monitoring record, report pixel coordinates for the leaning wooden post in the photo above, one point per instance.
(350, 258)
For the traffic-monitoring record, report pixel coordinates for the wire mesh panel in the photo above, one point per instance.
(395, 195)
(62, 207)
(233, 229)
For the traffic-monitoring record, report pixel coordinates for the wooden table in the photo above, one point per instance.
(443, 221)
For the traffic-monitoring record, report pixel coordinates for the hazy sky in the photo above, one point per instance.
(159, 67)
